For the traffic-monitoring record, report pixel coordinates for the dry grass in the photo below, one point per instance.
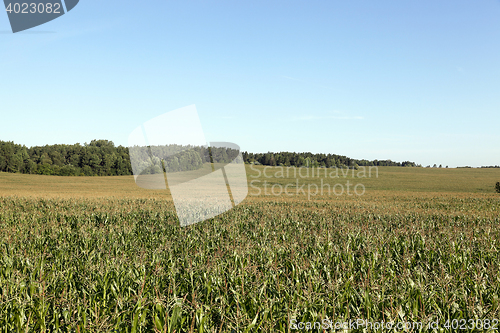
(393, 179)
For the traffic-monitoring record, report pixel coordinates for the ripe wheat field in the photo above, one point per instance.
(99, 254)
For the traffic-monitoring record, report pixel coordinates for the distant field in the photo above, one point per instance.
(99, 254)
(389, 179)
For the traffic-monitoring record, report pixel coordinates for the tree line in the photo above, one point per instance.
(98, 158)
(176, 158)
(103, 158)
(316, 160)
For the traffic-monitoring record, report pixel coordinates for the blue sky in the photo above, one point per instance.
(400, 80)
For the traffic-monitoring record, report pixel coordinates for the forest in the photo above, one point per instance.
(316, 160)
(103, 158)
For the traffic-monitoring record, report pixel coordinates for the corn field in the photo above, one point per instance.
(125, 265)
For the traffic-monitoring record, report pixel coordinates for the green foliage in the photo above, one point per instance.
(98, 265)
(497, 187)
(172, 158)
(315, 160)
(45, 169)
(68, 170)
(100, 157)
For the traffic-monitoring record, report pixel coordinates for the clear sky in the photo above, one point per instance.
(401, 80)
